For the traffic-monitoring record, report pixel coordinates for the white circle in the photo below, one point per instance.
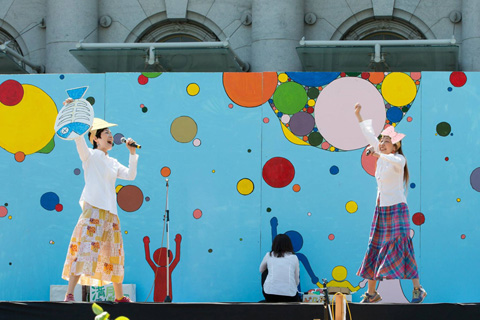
(285, 118)
(197, 142)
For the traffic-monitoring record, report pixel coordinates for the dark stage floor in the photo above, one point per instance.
(233, 311)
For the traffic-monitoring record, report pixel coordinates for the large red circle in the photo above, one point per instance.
(458, 78)
(11, 92)
(418, 218)
(278, 172)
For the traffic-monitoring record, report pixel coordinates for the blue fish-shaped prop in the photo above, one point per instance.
(75, 118)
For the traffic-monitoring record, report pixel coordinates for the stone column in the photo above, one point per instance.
(68, 21)
(277, 27)
(469, 59)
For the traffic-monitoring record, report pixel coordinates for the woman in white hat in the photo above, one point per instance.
(390, 253)
(95, 253)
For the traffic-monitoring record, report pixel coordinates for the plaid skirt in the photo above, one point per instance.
(95, 251)
(390, 252)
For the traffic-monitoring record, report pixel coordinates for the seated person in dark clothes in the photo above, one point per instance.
(283, 271)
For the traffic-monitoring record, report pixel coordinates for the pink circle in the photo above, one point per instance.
(331, 236)
(142, 105)
(58, 207)
(230, 106)
(266, 120)
(197, 213)
(325, 145)
(463, 236)
(334, 111)
(409, 119)
(369, 163)
(415, 75)
(197, 142)
(3, 211)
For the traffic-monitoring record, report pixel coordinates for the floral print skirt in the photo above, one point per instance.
(95, 251)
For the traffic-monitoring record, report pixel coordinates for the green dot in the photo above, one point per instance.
(405, 109)
(444, 129)
(269, 209)
(144, 109)
(210, 250)
(241, 239)
(290, 97)
(249, 150)
(315, 139)
(313, 93)
(353, 74)
(91, 100)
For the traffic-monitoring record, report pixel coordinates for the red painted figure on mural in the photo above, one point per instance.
(159, 267)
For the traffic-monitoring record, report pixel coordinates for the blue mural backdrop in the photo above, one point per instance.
(247, 156)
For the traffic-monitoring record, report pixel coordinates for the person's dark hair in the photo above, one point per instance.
(97, 135)
(281, 245)
(406, 174)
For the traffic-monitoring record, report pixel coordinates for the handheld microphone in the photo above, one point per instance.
(368, 152)
(133, 144)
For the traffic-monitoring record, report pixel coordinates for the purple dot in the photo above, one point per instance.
(301, 123)
(147, 199)
(76, 171)
(475, 179)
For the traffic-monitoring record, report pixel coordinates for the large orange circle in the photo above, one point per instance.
(249, 89)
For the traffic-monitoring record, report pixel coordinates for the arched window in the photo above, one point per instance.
(5, 37)
(383, 29)
(178, 32)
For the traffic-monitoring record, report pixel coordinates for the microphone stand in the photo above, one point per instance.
(167, 217)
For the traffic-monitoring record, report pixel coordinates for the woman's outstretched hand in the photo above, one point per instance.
(358, 108)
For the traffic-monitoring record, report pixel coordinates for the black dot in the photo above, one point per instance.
(91, 100)
(6, 204)
(210, 250)
(269, 209)
(249, 150)
(10, 263)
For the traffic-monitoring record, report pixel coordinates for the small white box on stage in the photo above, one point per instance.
(103, 293)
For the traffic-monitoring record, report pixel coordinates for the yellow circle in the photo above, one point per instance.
(458, 200)
(332, 149)
(28, 126)
(311, 103)
(398, 89)
(339, 273)
(245, 186)
(351, 206)
(213, 171)
(193, 89)
(126, 232)
(10, 217)
(282, 77)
